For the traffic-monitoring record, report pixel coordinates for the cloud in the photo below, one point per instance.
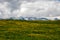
(4, 10)
(29, 8)
(40, 9)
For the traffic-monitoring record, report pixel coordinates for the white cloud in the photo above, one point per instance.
(39, 9)
(29, 9)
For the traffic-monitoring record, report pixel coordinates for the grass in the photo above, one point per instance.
(29, 30)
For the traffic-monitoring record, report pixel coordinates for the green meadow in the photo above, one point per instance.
(29, 30)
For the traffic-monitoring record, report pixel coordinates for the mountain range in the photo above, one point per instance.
(40, 18)
(35, 18)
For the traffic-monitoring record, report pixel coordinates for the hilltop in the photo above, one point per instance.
(29, 30)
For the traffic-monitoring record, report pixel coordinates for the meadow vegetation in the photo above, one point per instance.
(29, 30)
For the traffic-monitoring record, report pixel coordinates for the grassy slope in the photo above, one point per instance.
(29, 30)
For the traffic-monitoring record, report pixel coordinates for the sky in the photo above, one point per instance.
(29, 8)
